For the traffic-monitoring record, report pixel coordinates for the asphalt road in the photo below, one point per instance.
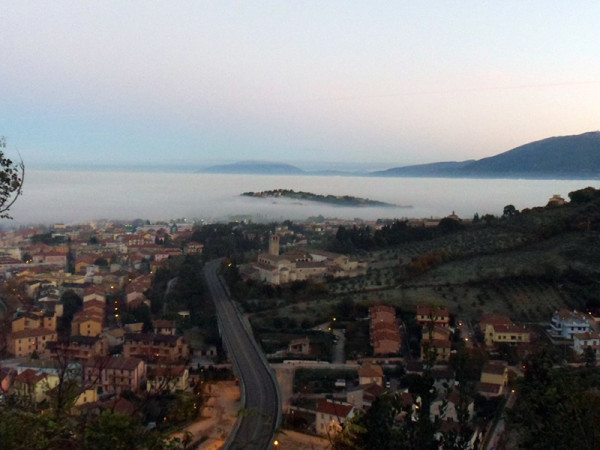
(262, 411)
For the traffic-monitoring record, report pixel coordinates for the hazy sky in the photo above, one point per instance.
(393, 82)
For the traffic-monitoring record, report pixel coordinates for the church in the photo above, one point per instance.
(299, 265)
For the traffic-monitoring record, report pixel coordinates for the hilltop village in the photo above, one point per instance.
(425, 321)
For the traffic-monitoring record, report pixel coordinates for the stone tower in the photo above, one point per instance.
(274, 245)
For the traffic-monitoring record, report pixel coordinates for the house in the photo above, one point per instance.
(87, 396)
(331, 415)
(567, 323)
(114, 375)
(82, 262)
(155, 347)
(436, 341)
(193, 248)
(94, 293)
(385, 342)
(494, 377)
(581, 341)
(78, 348)
(34, 385)
(87, 324)
(169, 378)
(498, 329)
(134, 296)
(510, 334)
(362, 396)
(57, 258)
(437, 349)
(164, 327)
(370, 373)
(25, 342)
(384, 330)
(427, 314)
(114, 336)
(91, 320)
(34, 319)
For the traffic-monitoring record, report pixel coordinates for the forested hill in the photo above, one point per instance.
(556, 157)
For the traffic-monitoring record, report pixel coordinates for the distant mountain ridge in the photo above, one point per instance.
(560, 156)
(432, 169)
(256, 168)
(575, 157)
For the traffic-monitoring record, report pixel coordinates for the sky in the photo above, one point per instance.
(197, 82)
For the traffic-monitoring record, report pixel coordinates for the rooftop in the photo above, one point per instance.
(334, 408)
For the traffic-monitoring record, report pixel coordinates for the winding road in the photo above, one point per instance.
(261, 414)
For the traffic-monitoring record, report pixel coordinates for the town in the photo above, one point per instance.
(117, 312)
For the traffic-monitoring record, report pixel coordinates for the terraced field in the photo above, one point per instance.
(487, 271)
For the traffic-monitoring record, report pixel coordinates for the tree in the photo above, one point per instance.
(589, 355)
(509, 211)
(11, 181)
(584, 195)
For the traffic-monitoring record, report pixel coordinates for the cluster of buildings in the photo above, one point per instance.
(109, 269)
(299, 265)
(439, 340)
(582, 330)
(438, 343)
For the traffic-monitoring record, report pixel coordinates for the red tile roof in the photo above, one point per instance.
(426, 310)
(335, 409)
(30, 377)
(370, 370)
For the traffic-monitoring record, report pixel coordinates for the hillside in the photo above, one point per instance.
(526, 265)
(423, 170)
(564, 156)
(556, 157)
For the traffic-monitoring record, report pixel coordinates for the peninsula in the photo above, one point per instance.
(339, 200)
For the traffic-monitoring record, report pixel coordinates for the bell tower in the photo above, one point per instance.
(274, 245)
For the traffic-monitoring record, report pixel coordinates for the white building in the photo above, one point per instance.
(582, 341)
(567, 323)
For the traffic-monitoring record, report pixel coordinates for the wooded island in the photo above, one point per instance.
(339, 200)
